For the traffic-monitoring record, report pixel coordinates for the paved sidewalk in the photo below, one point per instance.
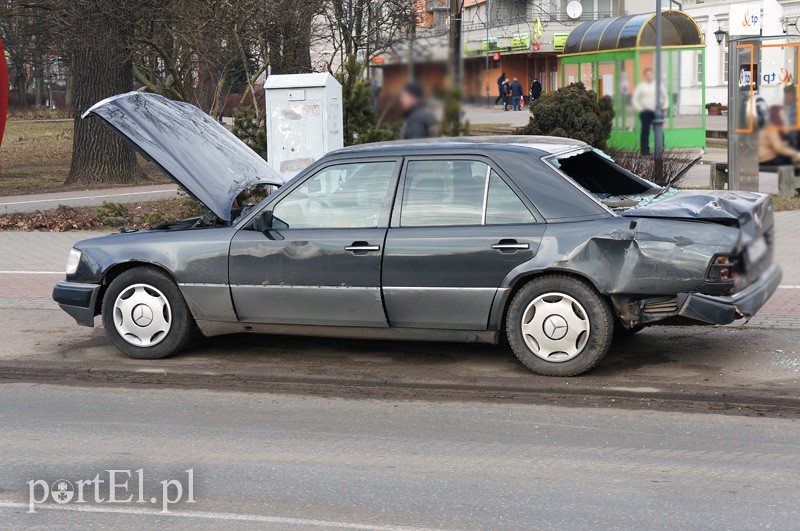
(129, 194)
(480, 114)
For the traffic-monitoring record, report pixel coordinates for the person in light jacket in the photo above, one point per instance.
(644, 101)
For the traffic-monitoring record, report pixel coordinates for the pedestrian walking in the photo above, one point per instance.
(505, 91)
(536, 89)
(644, 101)
(500, 95)
(516, 94)
(418, 120)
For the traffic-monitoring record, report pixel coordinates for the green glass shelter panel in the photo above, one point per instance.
(611, 56)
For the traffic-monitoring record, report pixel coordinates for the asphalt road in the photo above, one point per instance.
(282, 462)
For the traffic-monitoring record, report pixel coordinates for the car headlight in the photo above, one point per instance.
(73, 260)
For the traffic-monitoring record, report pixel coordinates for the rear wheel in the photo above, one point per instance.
(145, 316)
(558, 325)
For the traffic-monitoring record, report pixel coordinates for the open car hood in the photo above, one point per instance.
(199, 154)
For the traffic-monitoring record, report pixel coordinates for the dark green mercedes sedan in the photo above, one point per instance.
(543, 241)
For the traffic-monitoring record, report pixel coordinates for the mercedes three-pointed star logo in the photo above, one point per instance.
(142, 315)
(555, 327)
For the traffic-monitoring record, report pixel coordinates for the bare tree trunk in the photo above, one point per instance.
(38, 78)
(22, 87)
(98, 154)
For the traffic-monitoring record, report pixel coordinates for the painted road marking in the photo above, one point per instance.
(62, 199)
(209, 515)
(31, 272)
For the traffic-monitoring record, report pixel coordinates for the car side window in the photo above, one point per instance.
(443, 192)
(503, 206)
(451, 193)
(342, 196)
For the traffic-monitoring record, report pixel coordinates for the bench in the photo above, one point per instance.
(788, 177)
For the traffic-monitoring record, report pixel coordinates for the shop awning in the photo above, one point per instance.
(633, 31)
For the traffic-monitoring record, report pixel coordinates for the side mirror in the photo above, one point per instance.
(263, 221)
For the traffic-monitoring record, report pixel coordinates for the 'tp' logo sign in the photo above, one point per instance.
(749, 20)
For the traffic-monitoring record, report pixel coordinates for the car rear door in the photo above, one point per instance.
(319, 261)
(458, 228)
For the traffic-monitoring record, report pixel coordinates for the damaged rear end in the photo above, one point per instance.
(693, 257)
(740, 275)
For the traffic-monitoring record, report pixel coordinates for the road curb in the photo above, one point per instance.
(563, 392)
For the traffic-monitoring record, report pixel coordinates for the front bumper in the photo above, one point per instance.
(726, 309)
(78, 300)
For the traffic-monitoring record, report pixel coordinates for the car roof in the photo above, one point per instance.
(538, 145)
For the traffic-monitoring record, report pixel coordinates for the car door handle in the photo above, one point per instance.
(362, 247)
(510, 245)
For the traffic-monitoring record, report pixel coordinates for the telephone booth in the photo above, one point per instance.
(609, 56)
(763, 96)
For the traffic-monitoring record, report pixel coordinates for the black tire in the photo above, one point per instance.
(590, 346)
(181, 325)
(621, 331)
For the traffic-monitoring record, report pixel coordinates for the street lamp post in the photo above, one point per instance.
(658, 122)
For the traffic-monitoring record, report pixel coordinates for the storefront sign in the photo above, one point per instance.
(520, 41)
(489, 44)
(559, 39)
(496, 56)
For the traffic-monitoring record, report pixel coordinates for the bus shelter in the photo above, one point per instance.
(609, 56)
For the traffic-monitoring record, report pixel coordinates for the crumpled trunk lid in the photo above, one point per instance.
(752, 212)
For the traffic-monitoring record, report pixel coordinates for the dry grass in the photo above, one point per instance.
(37, 113)
(35, 158)
(36, 143)
(785, 203)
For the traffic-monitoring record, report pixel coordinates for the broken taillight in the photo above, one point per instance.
(724, 268)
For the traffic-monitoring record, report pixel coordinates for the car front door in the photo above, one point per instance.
(315, 256)
(457, 230)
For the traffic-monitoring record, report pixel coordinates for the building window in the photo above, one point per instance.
(723, 75)
(595, 9)
(699, 71)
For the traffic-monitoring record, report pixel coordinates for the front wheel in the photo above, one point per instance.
(145, 316)
(558, 325)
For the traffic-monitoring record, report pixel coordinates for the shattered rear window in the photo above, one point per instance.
(600, 176)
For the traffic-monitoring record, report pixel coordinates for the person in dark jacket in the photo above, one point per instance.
(418, 120)
(516, 94)
(500, 81)
(536, 89)
(505, 91)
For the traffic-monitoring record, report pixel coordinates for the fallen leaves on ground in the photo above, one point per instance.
(61, 219)
(133, 216)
